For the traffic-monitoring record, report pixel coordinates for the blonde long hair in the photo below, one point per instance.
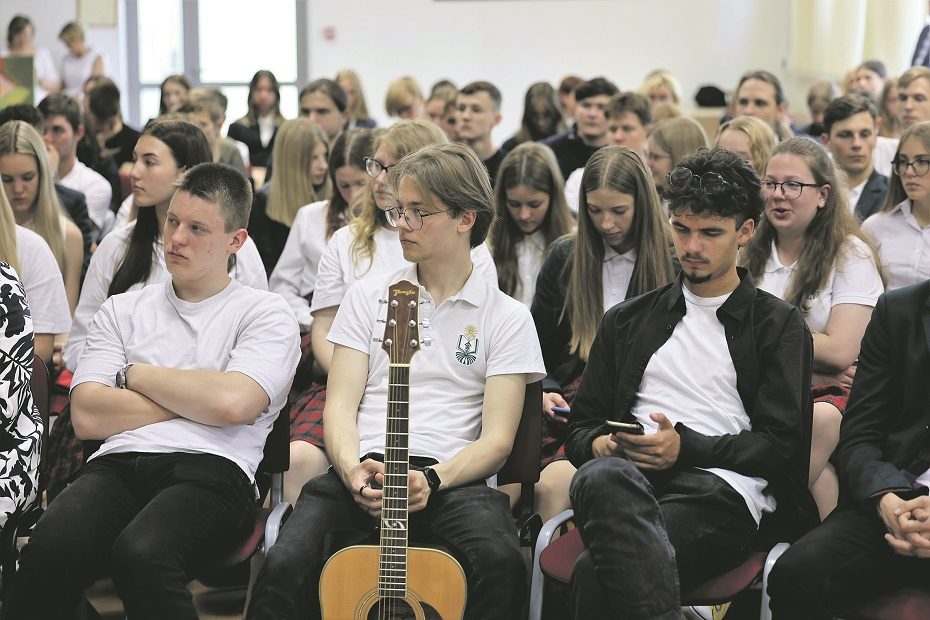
(619, 169)
(402, 138)
(7, 233)
(19, 137)
(359, 107)
(291, 185)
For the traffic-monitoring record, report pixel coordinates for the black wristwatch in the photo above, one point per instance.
(432, 478)
(121, 377)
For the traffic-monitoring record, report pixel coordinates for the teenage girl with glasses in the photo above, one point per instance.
(808, 250)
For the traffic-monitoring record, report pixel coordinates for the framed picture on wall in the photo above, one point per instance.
(97, 13)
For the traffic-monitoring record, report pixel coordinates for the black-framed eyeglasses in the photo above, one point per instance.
(413, 217)
(789, 189)
(920, 166)
(711, 182)
(374, 167)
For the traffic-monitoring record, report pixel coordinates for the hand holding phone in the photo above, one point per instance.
(633, 428)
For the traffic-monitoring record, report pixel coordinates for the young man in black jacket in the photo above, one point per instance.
(718, 374)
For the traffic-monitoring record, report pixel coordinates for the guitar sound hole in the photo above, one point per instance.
(399, 609)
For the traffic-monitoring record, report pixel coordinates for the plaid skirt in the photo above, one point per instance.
(554, 434)
(836, 395)
(307, 415)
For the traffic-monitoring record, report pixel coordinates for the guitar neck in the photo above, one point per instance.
(392, 570)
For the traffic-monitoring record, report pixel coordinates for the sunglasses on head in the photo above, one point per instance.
(711, 182)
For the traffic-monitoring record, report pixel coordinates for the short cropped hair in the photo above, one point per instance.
(621, 103)
(914, 73)
(103, 100)
(200, 100)
(62, 105)
(456, 177)
(23, 112)
(72, 31)
(594, 87)
(741, 201)
(843, 107)
(482, 86)
(769, 78)
(331, 89)
(225, 186)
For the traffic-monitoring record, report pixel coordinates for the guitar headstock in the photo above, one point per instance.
(402, 329)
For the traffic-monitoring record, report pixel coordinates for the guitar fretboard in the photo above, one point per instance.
(392, 569)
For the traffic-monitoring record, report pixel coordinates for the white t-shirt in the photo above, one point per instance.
(477, 333)
(573, 189)
(104, 263)
(96, 190)
(616, 274)
(45, 287)
(883, 155)
(45, 70)
(854, 280)
(75, 71)
(294, 277)
(338, 271)
(240, 329)
(709, 403)
(531, 251)
(903, 245)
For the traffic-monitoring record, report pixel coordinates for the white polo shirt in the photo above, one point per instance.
(44, 285)
(294, 277)
(338, 270)
(97, 192)
(903, 245)
(104, 263)
(477, 333)
(531, 251)
(239, 329)
(854, 280)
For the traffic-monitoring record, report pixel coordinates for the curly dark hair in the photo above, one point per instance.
(742, 200)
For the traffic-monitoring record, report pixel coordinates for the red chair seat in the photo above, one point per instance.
(249, 543)
(903, 605)
(558, 560)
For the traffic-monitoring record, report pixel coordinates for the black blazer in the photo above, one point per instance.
(250, 136)
(873, 196)
(74, 204)
(885, 425)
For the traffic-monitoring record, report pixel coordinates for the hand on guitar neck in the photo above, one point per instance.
(365, 480)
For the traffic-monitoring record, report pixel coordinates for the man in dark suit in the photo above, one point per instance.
(851, 132)
(878, 540)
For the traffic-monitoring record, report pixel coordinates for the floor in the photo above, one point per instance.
(212, 603)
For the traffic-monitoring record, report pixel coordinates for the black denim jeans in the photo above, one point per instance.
(648, 537)
(473, 522)
(151, 521)
(838, 565)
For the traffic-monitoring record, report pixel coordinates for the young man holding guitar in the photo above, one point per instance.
(436, 351)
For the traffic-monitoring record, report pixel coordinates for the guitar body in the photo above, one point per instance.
(436, 587)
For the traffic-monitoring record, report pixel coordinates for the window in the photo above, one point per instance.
(219, 43)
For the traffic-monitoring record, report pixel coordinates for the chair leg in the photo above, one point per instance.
(765, 612)
(537, 584)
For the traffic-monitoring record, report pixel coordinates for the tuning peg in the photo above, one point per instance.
(392, 323)
(412, 324)
(382, 301)
(376, 340)
(424, 323)
(427, 341)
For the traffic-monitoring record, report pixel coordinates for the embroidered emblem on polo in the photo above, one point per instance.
(467, 350)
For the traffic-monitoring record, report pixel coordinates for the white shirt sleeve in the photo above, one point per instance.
(354, 319)
(249, 269)
(294, 276)
(484, 263)
(103, 351)
(103, 265)
(331, 280)
(44, 285)
(857, 278)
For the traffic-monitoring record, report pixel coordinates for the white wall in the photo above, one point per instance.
(49, 16)
(515, 43)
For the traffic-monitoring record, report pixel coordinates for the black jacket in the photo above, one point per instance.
(772, 351)
(873, 196)
(886, 426)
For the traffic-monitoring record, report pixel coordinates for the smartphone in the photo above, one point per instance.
(633, 428)
(561, 410)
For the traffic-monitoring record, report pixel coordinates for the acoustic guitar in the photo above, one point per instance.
(391, 580)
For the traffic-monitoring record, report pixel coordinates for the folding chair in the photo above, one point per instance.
(19, 524)
(556, 561)
(522, 466)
